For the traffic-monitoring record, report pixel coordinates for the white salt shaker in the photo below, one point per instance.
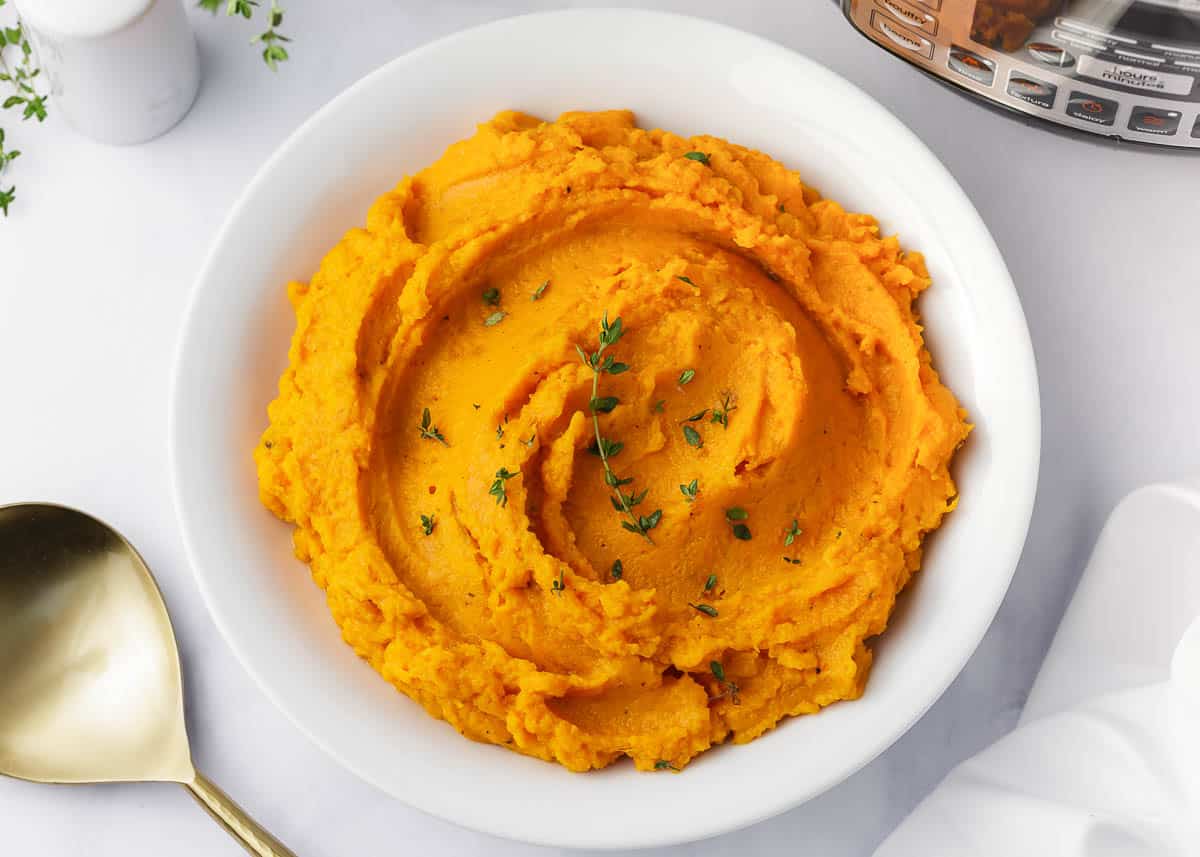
(120, 71)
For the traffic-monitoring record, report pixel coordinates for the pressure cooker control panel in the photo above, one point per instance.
(1122, 68)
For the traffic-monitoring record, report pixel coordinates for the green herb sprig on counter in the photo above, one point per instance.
(22, 77)
(600, 364)
(271, 39)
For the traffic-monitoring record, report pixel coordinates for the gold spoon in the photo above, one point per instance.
(90, 685)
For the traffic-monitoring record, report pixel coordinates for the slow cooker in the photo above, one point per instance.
(1127, 69)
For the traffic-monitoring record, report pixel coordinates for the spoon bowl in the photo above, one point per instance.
(91, 688)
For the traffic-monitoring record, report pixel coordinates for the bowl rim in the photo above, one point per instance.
(1021, 501)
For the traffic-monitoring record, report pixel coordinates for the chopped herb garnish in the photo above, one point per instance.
(686, 376)
(530, 442)
(736, 513)
(475, 405)
(741, 531)
(657, 407)
(782, 210)
(692, 437)
(559, 584)
(699, 415)
(664, 765)
(606, 448)
(539, 291)
(706, 609)
(491, 296)
(499, 432)
(728, 688)
(792, 532)
(686, 280)
(430, 431)
(498, 490)
(645, 523)
(494, 319)
(601, 363)
(618, 569)
(711, 583)
(689, 490)
(697, 156)
(720, 414)
(428, 522)
(792, 560)
(604, 404)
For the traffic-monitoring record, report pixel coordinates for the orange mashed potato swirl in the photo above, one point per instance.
(470, 556)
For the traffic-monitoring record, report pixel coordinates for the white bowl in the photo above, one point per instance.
(688, 76)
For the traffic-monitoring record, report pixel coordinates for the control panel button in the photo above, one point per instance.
(1090, 108)
(972, 65)
(1033, 91)
(1151, 120)
(1051, 54)
(916, 18)
(901, 37)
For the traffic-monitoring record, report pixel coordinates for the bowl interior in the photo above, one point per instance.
(321, 182)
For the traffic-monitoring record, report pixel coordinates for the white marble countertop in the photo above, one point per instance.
(98, 258)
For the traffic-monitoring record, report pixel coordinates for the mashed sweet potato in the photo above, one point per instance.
(776, 440)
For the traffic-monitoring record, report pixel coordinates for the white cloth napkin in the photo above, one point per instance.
(1105, 761)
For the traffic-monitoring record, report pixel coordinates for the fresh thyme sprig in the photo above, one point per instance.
(430, 431)
(720, 414)
(737, 517)
(728, 688)
(601, 363)
(690, 490)
(664, 765)
(272, 40)
(498, 489)
(25, 97)
(428, 522)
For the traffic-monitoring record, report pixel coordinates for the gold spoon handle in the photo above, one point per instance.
(234, 819)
